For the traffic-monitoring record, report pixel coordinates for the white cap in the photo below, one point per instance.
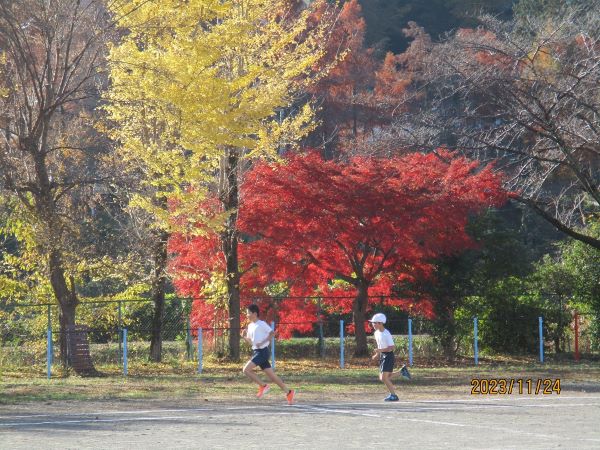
(379, 317)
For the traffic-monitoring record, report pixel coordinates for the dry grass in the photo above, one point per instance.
(317, 379)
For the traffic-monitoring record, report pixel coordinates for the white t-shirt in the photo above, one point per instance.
(258, 332)
(384, 339)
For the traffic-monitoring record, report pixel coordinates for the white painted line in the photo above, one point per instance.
(135, 419)
(500, 429)
(266, 410)
(338, 411)
(461, 425)
(455, 407)
(567, 405)
(478, 398)
(66, 422)
(339, 408)
(456, 404)
(148, 411)
(106, 413)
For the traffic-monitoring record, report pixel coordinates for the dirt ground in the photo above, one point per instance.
(334, 409)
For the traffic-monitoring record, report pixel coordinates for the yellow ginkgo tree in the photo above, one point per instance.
(197, 88)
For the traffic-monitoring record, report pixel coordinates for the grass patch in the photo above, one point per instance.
(23, 373)
(317, 380)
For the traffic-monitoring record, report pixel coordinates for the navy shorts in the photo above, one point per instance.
(260, 357)
(386, 362)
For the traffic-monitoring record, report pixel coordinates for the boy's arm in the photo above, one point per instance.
(245, 336)
(377, 352)
(389, 348)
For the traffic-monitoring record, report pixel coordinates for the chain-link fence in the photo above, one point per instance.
(117, 336)
(26, 332)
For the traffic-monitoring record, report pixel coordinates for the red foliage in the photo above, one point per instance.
(354, 72)
(345, 94)
(477, 39)
(360, 95)
(399, 72)
(389, 81)
(375, 222)
(206, 315)
(198, 256)
(295, 315)
(371, 222)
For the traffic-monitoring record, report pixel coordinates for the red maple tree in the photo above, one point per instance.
(197, 259)
(370, 223)
(362, 228)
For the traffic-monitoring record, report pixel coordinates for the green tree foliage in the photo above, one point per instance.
(509, 307)
(501, 252)
(583, 263)
(508, 317)
(552, 286)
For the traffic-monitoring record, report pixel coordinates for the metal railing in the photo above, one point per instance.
(119, 332)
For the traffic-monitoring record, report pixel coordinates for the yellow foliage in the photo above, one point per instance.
(192, 78)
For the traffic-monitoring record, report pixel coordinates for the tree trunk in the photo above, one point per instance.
(449, 346)
(159, 282)
(448, 338)
(56, 63)
(229, 244)
(354, 122)
(66, 320)
(559, 339)
(359, 307)
(67, 301)
(233, 291)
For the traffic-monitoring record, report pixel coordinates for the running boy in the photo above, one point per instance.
(385, 352)
(258, 334)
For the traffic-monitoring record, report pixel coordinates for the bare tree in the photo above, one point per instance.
(525, 93)
(53, 53)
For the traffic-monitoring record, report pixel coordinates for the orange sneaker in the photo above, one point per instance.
(290, 396)
(262, 390)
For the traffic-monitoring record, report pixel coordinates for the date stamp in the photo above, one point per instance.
(521, 386)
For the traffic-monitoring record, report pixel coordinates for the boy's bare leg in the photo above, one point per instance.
(275, 379)
(386, 377)
(249, 372)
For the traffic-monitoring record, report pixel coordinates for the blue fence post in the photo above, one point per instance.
(49, 347)
(49, 326)
(189, 345)
(125, 351)
(49, 352)
(341, 344)
(120, 319)
(273, 345)
(410, 343)
(541, 327)
(199, 350)
(475, 343)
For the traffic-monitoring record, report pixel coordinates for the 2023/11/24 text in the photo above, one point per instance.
(508, 386)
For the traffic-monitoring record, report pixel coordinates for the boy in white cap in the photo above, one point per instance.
(385, 352)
